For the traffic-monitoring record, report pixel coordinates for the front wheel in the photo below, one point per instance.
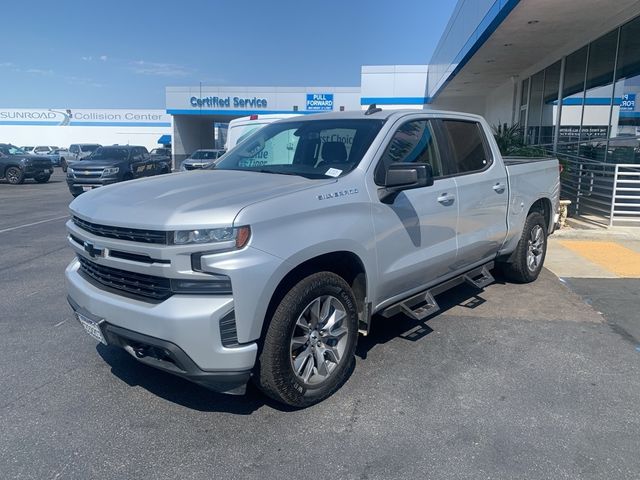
(42, 177)
(14, 176)
(309, 347)
(63, 165)
(526, 263)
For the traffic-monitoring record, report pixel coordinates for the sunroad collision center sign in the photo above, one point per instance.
(84, 117)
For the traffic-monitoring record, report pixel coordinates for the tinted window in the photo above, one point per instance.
(413, 142)
(467, 145)
(89, 148)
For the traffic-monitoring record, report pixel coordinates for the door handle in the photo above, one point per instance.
(446, 199)
(499, 187)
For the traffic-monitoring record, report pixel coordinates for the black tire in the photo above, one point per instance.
(42, 177)
(519, 268)
(63, 165)
(14, 175)
(274, 373)
(127, 176)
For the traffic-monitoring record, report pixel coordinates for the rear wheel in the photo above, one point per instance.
(526, 263)
(63, 164)
(309, 347)
(42, 177)
(14, 176)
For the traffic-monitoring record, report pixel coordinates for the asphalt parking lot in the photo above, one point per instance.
(513, 382)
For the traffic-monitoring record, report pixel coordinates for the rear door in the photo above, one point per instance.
(483, 194)
(416, 232)
(138, 163)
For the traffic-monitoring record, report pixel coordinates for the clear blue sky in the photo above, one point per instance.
(111, 54)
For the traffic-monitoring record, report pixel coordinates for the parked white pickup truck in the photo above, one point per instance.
(267, 267)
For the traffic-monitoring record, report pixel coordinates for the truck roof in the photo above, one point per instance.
(383, 114)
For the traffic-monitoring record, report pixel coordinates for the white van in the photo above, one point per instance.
(241, 127)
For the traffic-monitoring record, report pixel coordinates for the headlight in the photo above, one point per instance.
(110, 171)
(235, 237)
(70, 171)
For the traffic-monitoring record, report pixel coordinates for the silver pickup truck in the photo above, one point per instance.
(268, 265)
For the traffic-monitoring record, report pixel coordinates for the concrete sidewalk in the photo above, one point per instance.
(608, 257)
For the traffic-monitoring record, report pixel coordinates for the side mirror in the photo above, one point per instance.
(405, 176)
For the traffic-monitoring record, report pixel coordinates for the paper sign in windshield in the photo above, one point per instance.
(333, 172)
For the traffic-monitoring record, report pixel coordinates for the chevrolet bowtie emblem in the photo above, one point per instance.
(92, 250)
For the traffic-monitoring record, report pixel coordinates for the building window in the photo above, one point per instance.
(550, 103)
(572, 100)
(535, 108)
(625, 119)
(524, 102)
(598, 97)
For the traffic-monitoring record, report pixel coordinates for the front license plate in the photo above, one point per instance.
(86, 189)
(91, 327)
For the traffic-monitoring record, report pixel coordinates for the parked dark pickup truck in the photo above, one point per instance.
(113, 164)
(16, 165)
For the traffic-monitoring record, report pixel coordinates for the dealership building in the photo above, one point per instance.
(563, 70)
(566, 72)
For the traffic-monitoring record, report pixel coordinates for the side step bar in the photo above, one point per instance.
(423, 304)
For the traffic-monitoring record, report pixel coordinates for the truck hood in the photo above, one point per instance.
(100, 164)
(197, 199)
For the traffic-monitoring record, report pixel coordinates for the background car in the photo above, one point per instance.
(200, 159)
(59, 158)
(78, 151)
(16, 165)
(112, 164)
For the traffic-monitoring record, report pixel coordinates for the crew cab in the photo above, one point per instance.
(268, 267)
(108, 165)
(16, 165)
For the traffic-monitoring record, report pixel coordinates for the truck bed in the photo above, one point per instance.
(528, 178)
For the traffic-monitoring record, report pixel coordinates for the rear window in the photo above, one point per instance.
(89, 148)
(468, 149)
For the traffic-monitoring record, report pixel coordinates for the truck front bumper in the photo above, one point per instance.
(180, 335)
(79, 185)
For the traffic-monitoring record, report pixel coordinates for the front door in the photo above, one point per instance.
(416, 232)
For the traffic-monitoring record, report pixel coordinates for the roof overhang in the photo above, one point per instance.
(533, 35)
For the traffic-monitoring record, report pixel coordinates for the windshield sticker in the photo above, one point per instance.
(333, 172)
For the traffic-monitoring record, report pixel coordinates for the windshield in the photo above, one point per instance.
(109, 153)
(12, 150)
(204, 155)
(312, 149)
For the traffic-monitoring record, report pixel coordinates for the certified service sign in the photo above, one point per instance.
(319, 101)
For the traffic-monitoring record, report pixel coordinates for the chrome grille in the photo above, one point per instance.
(132, 234)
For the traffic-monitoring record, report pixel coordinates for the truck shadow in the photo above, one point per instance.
(401, 326)
(187, 394)
(179, 391)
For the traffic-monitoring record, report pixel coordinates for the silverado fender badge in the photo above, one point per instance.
(340, 193)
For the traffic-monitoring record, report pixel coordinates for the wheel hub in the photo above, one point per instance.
(319, 340)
